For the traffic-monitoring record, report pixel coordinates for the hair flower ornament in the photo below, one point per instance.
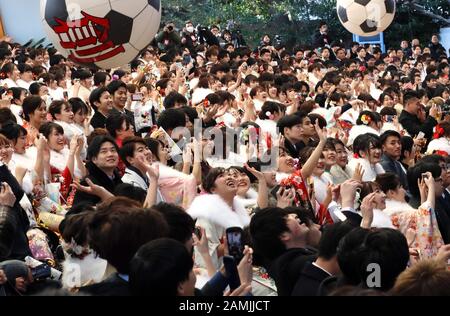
(365, 119)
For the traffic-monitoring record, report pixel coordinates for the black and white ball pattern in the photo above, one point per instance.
(366, 17)
(101, 33)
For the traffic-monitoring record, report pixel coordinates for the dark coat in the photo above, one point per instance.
(286, 269)
(321, 40)
(353, 218)
(98, 120)
(391, 165)
(97, 176)
(442, 211)
(129, 114)
(14, 222)
(112, 286)
(291, 149)
(413, 125)
(309, 281)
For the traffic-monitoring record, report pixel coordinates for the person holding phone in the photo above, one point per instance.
(409, 118)
(421, 221)
(218, 210)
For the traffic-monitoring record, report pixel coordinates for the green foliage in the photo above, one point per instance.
(297, 20)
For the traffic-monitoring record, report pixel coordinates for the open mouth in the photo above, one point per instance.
(242, 183)
(87, 39)
(230, 183)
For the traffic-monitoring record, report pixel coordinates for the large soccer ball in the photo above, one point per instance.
(101, 33)
(366, 17)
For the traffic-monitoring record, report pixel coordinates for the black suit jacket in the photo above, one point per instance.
(353, 218)
(129, 114)
(309, 281)
(14, 222)
(286, 269)
(112, 286)
(442, 211)
(292, 150)
(98, 120)
(413, 125)
(97, 176)
(390, 165)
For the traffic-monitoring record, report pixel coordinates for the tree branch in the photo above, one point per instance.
(421, 10)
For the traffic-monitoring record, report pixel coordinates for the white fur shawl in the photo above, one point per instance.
(214, 209)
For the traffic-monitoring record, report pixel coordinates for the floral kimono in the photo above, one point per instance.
(423, 221)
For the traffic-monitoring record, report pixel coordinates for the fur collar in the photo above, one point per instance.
(213, 208)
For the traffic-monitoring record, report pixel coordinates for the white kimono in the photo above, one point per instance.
(215, 216)
(370, 171)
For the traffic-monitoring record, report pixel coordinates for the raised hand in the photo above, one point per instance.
(187, 154)
(7, 197)
(285, 198)
(92, 189)
(202, 243)
(153, 172)
(359, 173)
(258, 174)
(443, 254)
(245, 268)
(73, 144)
(367, 206)
(321, 132)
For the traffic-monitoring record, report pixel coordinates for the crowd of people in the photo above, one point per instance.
(206, 167)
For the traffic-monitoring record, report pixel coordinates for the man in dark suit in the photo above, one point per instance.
(410, 120)
(118, 91)
(392, 150)
(321, 37)
(102, 167)
(326, 264)
(282, 238)
(297, 130)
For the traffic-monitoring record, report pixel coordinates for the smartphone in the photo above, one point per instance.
(137, 97)
(420, 135)
(235, 244)
(232, 273)
(65, 95)
(274, 63)
(198, 232)
(41, 272)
